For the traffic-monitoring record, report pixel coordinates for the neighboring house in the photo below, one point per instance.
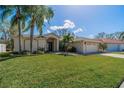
(2, 47)
(50, 42)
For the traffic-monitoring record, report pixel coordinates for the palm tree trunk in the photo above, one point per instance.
(31, 38)
(5, 37)
(19, 28)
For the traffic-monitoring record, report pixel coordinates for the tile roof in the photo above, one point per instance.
(86, 39)
(112, 41)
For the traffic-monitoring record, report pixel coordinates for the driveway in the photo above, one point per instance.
(113, 55)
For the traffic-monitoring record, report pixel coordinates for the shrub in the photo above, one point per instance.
(6, 54)
(25, 52)
(15, 52)
(41, 50)
(34, 52)
(71, 49)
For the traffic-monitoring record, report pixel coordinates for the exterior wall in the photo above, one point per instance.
(2, 48)
(37, 43)
(113, 47)
(78, 46)
(42, 44)
(122, 47)
(16, 44)
(34, 45)
(27, 45)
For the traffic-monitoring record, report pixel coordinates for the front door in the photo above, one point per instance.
(50, 46)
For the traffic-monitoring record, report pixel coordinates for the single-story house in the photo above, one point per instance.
(50, 42)
(2, 46)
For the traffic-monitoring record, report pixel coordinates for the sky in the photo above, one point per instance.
(88, 20)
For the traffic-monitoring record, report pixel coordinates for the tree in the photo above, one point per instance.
(12, 33)
(102, 46)
(121, 36)
(4, 30)
(115, 35)
(16, 17)
(101, 35)
(37, 15)
(66, 40)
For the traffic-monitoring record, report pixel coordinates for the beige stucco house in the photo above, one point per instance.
(49, 42)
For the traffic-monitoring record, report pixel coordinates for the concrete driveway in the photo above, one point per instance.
(113, 55)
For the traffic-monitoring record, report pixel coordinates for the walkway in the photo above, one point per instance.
(122, 85)
(113, 55)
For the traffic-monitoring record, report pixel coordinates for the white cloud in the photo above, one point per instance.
(67, 25)
(53, 27)
(79, 30)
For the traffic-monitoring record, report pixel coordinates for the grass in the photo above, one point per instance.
(55, 71)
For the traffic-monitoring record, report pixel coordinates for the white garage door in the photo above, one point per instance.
(92, 48)
(113, 47)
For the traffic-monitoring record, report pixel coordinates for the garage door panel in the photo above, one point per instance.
(92, 48)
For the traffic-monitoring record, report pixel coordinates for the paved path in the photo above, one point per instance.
(113, 55)
(122, 85)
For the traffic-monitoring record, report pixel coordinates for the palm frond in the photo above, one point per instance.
(13, 21)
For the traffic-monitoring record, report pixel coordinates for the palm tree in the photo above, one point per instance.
(66, 40)
(14, 14)
(37, 16)
(121, 36)
(102, 46)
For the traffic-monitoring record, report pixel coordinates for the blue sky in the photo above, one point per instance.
(92, 19)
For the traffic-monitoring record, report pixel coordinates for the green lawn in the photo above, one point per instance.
(51, 70)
